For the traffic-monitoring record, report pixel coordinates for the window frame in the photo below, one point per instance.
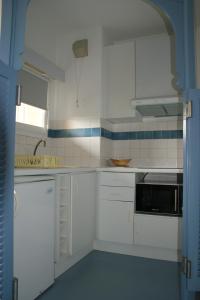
(31, 130)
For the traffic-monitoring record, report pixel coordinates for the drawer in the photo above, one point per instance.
(117, 179)
(116, 193)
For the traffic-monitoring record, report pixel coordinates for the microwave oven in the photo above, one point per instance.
(159, 198)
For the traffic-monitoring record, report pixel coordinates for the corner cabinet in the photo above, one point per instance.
(142, 68)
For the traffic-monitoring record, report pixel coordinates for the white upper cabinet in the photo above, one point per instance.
(154, 61)
(119, 80)
(136, 69)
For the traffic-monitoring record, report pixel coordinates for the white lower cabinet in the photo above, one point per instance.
(33, 235)
(115, 207)
(115, 221)
(157, 231)
(83, 196)
(121, 230)
(75, 215)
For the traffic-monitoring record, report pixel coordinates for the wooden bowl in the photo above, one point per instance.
(120, 162)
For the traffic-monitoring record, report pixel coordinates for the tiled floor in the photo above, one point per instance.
(106, 276)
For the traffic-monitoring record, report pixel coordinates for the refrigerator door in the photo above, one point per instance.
(34, 237)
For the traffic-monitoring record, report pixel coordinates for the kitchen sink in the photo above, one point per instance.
(37, 161)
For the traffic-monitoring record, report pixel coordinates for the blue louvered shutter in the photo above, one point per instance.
(7, 132)
(192, 193)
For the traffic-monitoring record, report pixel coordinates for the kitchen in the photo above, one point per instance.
(93, 116)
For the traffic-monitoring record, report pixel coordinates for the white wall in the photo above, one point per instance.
(83, 77)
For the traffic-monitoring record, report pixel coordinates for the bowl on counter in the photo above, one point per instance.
(120, 162)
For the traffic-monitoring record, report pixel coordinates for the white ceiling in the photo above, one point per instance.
(121, 19)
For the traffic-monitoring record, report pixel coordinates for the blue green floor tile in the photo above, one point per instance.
(108, 276)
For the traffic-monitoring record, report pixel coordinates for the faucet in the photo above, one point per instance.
(37, 145)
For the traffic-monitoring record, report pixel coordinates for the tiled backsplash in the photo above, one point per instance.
(149, 144)
(81, 152)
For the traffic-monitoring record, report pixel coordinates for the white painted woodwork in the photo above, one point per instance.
(42, 64)
(34, 237)
(137, 69)
(63, 215)
(157, 231)
(117, 193)
(120, 79)
(115, 221)
(116, 179)
(83, 194)
(115, 207)
(154, 60)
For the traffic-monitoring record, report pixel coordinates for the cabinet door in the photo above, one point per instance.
(157, 231)
(34, 238)
(115, 221)
(83, 211)
(154, 59)
(120, 81)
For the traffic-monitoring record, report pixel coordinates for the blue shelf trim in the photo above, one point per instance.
(102, 132)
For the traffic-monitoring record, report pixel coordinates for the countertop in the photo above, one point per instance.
(140, 170)
(75, 170)
(29, 172)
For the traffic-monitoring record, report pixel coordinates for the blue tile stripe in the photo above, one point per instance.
(102, 132)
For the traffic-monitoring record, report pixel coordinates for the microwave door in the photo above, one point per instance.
(157, 199)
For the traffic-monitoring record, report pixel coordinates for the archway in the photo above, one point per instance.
(180, 15)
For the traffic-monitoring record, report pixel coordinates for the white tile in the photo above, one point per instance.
(135, 126)
(172, 143)
(95, 123)
(161, 125)
(172, 125)
(180, 144)
(149, 126)
(180, 125)
(158, 154)
(171, 153)
(144, 153)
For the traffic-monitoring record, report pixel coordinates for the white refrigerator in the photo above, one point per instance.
(34, 220)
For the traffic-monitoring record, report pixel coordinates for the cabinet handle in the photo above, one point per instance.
(18, 95)
(15, 288)
(175, 201)
(15, 202)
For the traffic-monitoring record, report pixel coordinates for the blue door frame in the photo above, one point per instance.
(180, 15)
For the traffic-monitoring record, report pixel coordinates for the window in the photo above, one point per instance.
(31, 115)
(33, 109)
